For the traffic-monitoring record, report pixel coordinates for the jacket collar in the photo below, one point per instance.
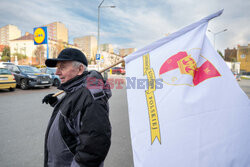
(74, 83)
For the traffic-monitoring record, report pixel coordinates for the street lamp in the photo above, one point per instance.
(98, 37)
(216, 34)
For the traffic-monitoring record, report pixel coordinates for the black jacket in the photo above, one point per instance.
(79, 131)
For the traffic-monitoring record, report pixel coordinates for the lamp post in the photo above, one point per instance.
(216, 33)
(98, 37)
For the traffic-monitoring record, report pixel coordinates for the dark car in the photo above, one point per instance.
(118, 70)
(245, 75)
(28, 76)
(52, 71)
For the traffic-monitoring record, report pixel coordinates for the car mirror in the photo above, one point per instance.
(18, 72)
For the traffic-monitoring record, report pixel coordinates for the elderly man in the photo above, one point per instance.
(79, 131)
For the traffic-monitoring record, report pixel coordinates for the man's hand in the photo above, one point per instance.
(50, 99)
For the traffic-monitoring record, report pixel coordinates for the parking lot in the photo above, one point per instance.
(24, 119)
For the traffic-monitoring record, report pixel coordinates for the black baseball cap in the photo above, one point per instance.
(68, 54)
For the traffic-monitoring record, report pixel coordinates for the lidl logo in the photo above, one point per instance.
(40, 35)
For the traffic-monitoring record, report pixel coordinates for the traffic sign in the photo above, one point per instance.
(97, 56)
(102, 58)
(40, 35)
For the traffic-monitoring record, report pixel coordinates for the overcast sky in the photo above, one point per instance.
(133, 23)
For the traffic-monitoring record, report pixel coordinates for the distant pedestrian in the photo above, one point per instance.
(79, 131)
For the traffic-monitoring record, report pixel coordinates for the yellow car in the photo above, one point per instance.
(7, 80)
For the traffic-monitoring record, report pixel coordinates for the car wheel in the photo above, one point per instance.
(56, 82)
(12, 89)
(47, 86)
(24, 84)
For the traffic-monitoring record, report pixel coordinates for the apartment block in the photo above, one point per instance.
(127, 51)
(243, 56)
(88, 44)
(107, 48)
(57, 31)
(9, 32)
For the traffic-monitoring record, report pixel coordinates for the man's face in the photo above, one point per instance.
(66, 71)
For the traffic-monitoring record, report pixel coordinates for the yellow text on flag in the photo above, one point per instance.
(152, 110)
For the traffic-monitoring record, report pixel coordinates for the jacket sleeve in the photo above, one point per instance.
(94, 136)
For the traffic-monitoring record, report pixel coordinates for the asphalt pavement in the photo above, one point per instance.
(24, 119)
(23, 122)
(245, 86)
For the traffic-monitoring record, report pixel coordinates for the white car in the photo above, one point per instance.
(4, 64)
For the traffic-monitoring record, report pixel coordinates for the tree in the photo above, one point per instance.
(39, 53)
(123, 64)
(233, 59)
(220, 53)
(20, 57)
(6, 54)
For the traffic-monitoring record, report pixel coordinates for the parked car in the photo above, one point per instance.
(237, 77)
(5, 64)
(28, 76)
(52, 71)
(245, 75)
(7, 80)
(118, 70)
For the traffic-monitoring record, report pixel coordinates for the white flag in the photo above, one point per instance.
(185, 107)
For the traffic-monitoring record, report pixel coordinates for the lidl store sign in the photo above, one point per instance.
(40, 35)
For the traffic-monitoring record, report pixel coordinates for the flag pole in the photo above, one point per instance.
(122, 60)
(101, 71)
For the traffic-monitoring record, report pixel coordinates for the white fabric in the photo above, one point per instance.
(206, 125)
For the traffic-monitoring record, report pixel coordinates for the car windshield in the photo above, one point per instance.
(8, 64)
(52, 70)
(29, 69)
(4, 71)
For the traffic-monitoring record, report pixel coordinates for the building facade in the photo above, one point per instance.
(110, 59)
(57, 31)
(21, 50)
(234, 67)
(107, 48)
(24, 52)
(127, 51)
(9, 32)
(88, 44)
(243, 56)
